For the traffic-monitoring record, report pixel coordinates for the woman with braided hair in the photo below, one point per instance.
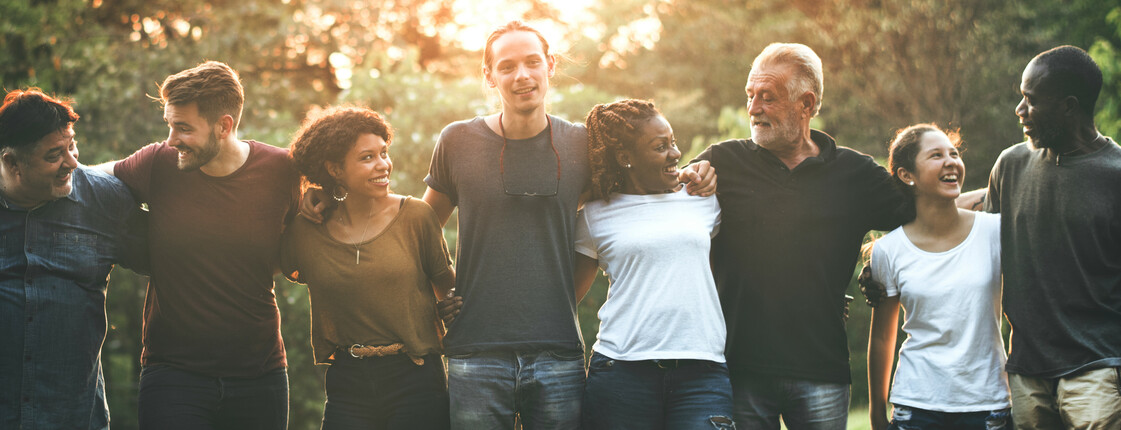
(658, 360)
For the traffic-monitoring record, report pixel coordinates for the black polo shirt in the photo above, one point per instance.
(787, 249)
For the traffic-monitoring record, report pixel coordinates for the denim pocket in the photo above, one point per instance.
(998, 420)
(460, 356)
(901, 413)
(566, 355)
(600, 362)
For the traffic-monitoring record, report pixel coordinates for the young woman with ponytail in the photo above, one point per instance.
(943, 268)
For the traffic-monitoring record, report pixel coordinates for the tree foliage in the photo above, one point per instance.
(888, 63)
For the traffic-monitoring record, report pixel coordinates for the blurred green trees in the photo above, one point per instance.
(888, 63)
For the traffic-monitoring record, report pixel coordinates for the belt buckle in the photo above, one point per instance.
(351, 350)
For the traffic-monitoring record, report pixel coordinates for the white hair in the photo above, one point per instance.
(806, 64)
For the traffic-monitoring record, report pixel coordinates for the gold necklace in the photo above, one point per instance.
(357, 248)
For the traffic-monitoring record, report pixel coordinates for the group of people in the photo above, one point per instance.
(724, 310)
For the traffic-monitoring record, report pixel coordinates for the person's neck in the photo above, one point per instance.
(1082, 140)
(936, 217)
(360, 210)
(522, 125)
(231, 156)
(794, 153)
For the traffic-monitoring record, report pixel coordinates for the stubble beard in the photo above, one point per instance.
(198, 158)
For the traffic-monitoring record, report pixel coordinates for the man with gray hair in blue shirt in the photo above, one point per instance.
(62, 227)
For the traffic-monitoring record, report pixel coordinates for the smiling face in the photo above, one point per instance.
(46, 169)
(939, 169)
(365, 169)
(1040, 110)
(775, 119)
(191, 134)
(653, 158)
(520, 70)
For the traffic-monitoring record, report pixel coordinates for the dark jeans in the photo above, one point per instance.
(386, 393)
(908, 418)
(172, 399)
(761, 400)
(657, 394)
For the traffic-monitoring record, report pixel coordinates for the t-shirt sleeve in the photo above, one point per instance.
(136, 170)
(994, 237)
(289, 252)
(439, 171)
(882, 269)
(715, 216)
(584, 242)
(135, 254)
(131, 229)
(885, 200)
(992, 196)
(433, 247)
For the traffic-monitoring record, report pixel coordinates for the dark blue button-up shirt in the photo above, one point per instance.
(54, 266)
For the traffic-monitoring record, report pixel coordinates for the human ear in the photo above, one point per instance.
(225, 126)
(1070, 105)
(623, 159)
(905, 176)
(334, 170)
(10, 161)
(808, 100)
(487, 78)
(552, 61)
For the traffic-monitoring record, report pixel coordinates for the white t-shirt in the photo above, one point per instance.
(953, 358)
(662, 302)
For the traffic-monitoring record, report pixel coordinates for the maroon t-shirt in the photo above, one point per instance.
(214, 246)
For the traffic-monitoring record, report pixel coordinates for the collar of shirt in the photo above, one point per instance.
(825, 143)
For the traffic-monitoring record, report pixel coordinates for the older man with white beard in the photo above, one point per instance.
(796, 208)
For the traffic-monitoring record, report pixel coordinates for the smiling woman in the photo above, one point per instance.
(374, 320)
(658, 359)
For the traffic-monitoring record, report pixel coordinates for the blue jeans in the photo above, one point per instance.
(173, 399)
(386, 393)
(542, 389)
(908, 418)
(802, 404)
(657, 394)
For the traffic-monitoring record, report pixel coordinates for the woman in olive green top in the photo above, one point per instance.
(374, 270)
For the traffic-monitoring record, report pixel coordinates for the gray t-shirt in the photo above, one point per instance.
(1061, 240)
(514, 253)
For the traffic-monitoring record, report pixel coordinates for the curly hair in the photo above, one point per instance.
(328, 136)
(905, 149)
(613, 128)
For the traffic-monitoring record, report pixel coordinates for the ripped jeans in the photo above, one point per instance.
(657, 394)
(908, 418)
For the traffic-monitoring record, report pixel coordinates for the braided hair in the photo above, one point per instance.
(613, 128)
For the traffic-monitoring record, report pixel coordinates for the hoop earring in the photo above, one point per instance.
(335, 193)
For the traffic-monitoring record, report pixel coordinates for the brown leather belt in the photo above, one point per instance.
(362, 351)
